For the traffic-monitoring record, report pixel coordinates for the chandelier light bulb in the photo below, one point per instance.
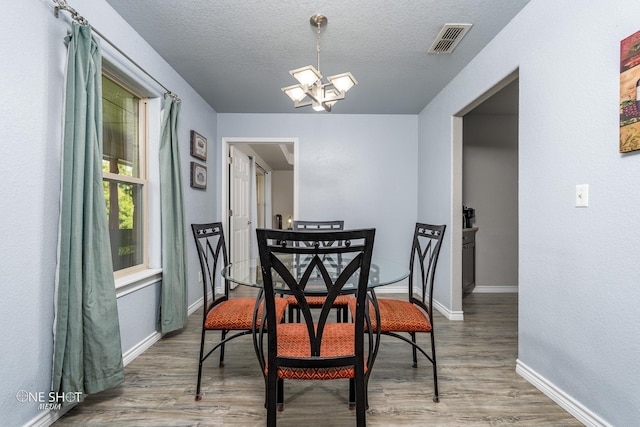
(306, 75)
(295, 92)
(343, 82)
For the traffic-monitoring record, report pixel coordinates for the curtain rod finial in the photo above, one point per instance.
(63, 5)
(172, 95)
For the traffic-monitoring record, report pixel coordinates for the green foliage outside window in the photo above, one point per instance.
(120, 163)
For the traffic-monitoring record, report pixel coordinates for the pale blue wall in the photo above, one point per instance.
(578, 268)
(32, 83)
(360, 168)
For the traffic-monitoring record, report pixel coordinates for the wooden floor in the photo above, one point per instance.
(476, 361)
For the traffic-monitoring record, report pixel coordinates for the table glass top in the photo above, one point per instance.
(382, 272)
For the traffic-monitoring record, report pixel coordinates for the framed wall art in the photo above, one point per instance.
(198, 146)
(630, 93)
(198, 176)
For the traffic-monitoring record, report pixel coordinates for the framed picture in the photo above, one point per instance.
(198, 146)
(630, 93)
(198, 176)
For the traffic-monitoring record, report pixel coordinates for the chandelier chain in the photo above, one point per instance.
(318, 46)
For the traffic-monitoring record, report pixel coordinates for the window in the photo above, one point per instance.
(124, 168)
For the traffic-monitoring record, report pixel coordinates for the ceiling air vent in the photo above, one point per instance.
(448, 38)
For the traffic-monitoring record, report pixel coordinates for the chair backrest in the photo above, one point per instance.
(427, 240)
(299, 225)
(212, 253)
(280, 256)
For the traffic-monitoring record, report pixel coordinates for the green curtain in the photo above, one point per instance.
(173, 299)
(87, 351)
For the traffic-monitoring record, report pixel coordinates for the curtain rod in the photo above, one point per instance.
(63, 5)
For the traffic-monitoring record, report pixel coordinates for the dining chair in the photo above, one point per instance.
(341, 304)
(315, 349)
(220, 312)
(399, 318)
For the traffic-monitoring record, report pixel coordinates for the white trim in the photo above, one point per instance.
(224, 153)
(457, 147)
(136, 281)
(566, 402)
(510, 289)
(391, 289)
(399, 289)
(449, 314)
(196, 305)
(130, 74)
(113, 60)
(455, 235)
(140, 348)
(146, 343)
(47, 418)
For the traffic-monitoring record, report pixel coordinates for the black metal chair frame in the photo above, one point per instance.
(211, 247)
(427, 254)
(277, 243)
(337, 225)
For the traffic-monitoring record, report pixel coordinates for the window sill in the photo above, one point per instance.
(136, 281)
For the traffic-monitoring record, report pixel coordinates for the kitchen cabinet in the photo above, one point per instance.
(468, 260)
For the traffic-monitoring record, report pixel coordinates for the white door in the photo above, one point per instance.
(239, 183)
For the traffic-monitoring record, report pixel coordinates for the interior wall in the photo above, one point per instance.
(359, 168)
(578, 269)
(490, 186)
(282, 196)
(33, 70)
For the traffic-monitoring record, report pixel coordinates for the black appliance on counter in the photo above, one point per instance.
(467, 214)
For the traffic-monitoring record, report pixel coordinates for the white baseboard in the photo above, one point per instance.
(140, 348)
(566, 402)
(196, 305)
(391, 289)
(47, 418)
(511, 289)
(449, 314)
(146, 343)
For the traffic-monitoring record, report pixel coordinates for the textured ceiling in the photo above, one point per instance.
(237, 54)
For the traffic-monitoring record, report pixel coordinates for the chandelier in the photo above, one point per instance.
(311, 90)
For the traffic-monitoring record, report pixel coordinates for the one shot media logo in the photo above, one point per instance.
(50, 400)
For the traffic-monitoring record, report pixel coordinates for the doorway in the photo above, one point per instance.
(485, 181)
(257, 175)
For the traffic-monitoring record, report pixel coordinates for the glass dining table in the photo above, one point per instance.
(382, 272)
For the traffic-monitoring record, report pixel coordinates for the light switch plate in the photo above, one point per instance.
(582, 195)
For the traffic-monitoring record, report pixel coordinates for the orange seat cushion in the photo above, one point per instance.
(237, 314)
(337, 340)
(397, 316)
(318, 301)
